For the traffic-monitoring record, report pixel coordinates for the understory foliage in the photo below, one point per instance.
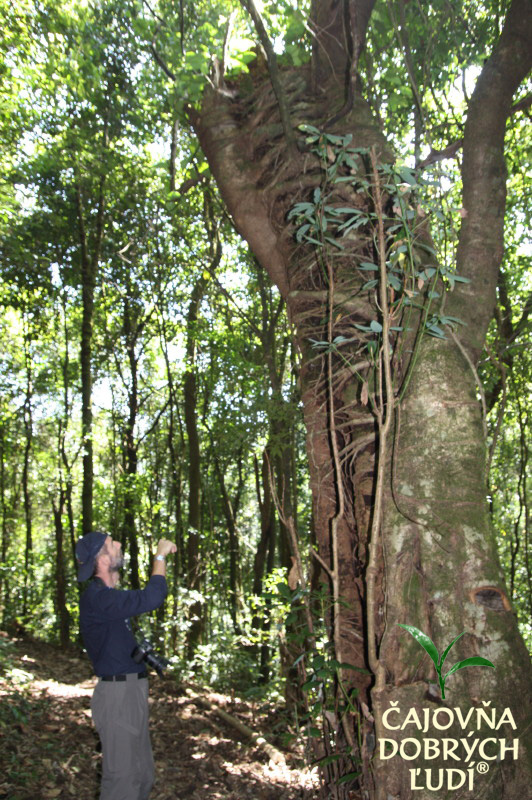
(145, 354)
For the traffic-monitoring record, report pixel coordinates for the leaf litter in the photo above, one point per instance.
(49, 748)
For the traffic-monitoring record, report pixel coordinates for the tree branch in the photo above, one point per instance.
(481, 242)
(273, 70)
(165, 68)
(448, 152)
(522, 105)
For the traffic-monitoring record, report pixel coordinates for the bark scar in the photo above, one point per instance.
(491, 597)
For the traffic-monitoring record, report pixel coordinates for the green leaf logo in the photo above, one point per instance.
(428, 645)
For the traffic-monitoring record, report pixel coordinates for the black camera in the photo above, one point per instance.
(145, 652)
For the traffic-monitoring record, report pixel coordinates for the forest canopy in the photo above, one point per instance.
(266, 293)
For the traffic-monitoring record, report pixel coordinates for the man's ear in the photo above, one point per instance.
(102, 559)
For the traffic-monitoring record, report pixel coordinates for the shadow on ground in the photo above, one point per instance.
(49, 749)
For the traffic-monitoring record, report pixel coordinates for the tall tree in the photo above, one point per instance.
(393, 532)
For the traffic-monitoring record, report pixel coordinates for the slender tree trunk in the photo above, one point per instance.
(129, 533)
(10, 485)
(3, 499)
(26, 479)
(66, 464)
(263, 561)
(195, 567)
(175, 462)
(194, 555)
(230, 509)
(60, 598)
(90, 259)
(8, 468)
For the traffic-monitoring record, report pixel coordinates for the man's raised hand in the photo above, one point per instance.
(165, 547)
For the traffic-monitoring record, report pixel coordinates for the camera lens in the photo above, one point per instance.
(145, 652)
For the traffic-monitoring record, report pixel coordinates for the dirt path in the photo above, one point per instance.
(48, 748)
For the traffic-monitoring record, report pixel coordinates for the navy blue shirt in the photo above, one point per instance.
(104, 623)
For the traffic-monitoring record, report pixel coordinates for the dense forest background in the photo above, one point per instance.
(150, 375)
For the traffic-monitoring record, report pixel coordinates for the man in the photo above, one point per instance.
(120, 700)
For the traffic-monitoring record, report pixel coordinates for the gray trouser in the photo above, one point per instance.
(120, 714)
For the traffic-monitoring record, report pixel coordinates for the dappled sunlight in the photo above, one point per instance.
(51, 750)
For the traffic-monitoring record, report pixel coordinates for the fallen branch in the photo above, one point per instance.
(259, 741)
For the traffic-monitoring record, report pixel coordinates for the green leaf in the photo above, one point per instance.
(475, 661)
(425, 642)
(445, 652)
(346, 665)
(349, 777)
(308, 129)
(300, 233)
(407, 176)
(433, 330)
(375, 326)
(333, 242)
(447, 319)
(330, 759)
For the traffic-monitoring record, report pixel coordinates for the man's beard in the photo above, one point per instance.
(117, 564)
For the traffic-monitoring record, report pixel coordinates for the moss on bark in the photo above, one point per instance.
(442, 570)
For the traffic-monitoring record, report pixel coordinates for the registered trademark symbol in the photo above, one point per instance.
(482, 767)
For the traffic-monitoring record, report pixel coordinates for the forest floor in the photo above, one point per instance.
(49, 749)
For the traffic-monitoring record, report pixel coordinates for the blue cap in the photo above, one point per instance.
(87, 548)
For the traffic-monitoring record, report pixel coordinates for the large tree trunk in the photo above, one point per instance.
(435, 562)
